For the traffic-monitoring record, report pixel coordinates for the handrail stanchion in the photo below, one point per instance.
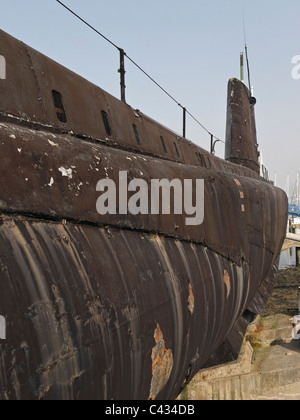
(122, 74)
(184, 123)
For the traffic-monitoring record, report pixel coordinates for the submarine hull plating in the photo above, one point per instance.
(120, 306)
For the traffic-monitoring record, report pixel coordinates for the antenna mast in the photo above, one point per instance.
(251, 89)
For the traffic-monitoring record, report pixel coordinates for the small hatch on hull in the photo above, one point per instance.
(176, 149)
(163, 144)
(137, 136)
(59, 106)
(106, 123)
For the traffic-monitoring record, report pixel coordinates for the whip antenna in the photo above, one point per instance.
(252, 99)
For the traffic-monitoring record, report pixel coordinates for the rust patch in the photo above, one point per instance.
(191, 300)
(227, 282)
(162, 364)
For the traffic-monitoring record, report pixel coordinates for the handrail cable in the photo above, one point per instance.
(141, 69)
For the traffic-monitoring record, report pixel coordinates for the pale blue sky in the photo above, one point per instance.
(192, 48)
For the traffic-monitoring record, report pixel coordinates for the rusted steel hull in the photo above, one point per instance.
(83, 306)
(119, 306)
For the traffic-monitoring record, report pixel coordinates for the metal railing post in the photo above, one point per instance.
(184, 123)
(213, 144)
(122, 74)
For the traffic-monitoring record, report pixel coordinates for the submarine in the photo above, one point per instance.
(115, 305)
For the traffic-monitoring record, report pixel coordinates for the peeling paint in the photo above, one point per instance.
(227, 283)
(51, 182)
(191, 300)
(66, 172)
(53, 144)
(106, 173)
(162, 364)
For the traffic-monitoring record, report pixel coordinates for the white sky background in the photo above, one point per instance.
(191, 48)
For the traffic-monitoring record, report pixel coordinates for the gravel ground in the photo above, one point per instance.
(285, 296)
